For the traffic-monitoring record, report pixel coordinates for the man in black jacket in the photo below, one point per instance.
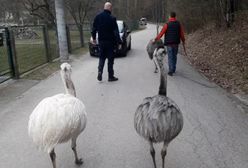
(108, 36)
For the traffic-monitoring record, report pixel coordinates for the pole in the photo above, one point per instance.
(61, 29)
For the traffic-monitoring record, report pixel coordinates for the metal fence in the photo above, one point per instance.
(30, 47)
(74, 37)
(5, 66)
(52, 43)
(77, 35)
(23, 48)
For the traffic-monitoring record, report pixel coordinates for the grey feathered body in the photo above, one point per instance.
(151, 46)
(158, 119)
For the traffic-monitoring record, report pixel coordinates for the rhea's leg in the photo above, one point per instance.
(156, 67)
(163, 153)
(152, 151)
(53, 157)
(78, 161)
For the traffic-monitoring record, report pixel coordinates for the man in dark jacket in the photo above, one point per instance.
(108, 36)
(173, 33)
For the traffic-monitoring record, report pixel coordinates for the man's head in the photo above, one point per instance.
(173, 14)
(108, 6)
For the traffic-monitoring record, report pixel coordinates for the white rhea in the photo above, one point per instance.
(158, 118)
(58, 119)
(150, 48)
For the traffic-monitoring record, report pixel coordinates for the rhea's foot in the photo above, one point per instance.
(79, 161)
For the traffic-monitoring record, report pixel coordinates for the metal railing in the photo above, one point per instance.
(5, 68)
(23, 48)
(30, 47)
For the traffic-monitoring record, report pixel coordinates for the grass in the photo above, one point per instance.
(31, 53)
(75, 39)
(79, 52)
(50, 68)
(44, 72)
(4, 64)
(30, 56)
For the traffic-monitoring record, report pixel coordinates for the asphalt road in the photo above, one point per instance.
(215, 133)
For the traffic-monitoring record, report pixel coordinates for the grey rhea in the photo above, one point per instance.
(150, 48)
(158, 118)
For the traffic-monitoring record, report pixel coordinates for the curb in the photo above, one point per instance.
(243, 99)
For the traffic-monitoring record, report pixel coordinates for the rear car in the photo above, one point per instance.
(125, 35)
(143, 21)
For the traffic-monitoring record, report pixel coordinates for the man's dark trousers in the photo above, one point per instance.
(106, 51)
(172, 57)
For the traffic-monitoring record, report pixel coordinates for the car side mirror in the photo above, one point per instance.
(128, 31)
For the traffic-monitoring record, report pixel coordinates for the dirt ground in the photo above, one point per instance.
(222, 54)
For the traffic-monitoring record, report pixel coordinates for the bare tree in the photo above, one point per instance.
(226, 9)
(10, 12)
(79, 9)
(42, 9)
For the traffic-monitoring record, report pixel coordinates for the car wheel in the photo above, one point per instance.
(129, 47)
(124, 49)
(124, 53)
(91, 54)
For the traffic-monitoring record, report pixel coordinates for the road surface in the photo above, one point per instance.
(215, 132)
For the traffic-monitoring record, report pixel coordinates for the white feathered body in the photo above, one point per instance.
(55, 120)
(158, 119)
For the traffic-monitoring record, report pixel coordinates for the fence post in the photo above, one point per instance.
(12, 52)
(81, 31)
(68, 39)
(47, 43)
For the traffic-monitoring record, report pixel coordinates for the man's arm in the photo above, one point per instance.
(182, 34)
(94, 28)
(183, 39)
(116, 31)
(162, 32)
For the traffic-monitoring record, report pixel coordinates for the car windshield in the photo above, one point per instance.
(120, 26)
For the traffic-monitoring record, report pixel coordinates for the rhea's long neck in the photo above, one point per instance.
(163, 82)
(69, 86)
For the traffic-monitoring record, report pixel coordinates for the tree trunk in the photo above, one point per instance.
(80, 28)
(61, 28)
(218, 14)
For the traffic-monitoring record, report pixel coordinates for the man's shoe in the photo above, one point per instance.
(99, 76)
(112, 79)
(170, 73)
